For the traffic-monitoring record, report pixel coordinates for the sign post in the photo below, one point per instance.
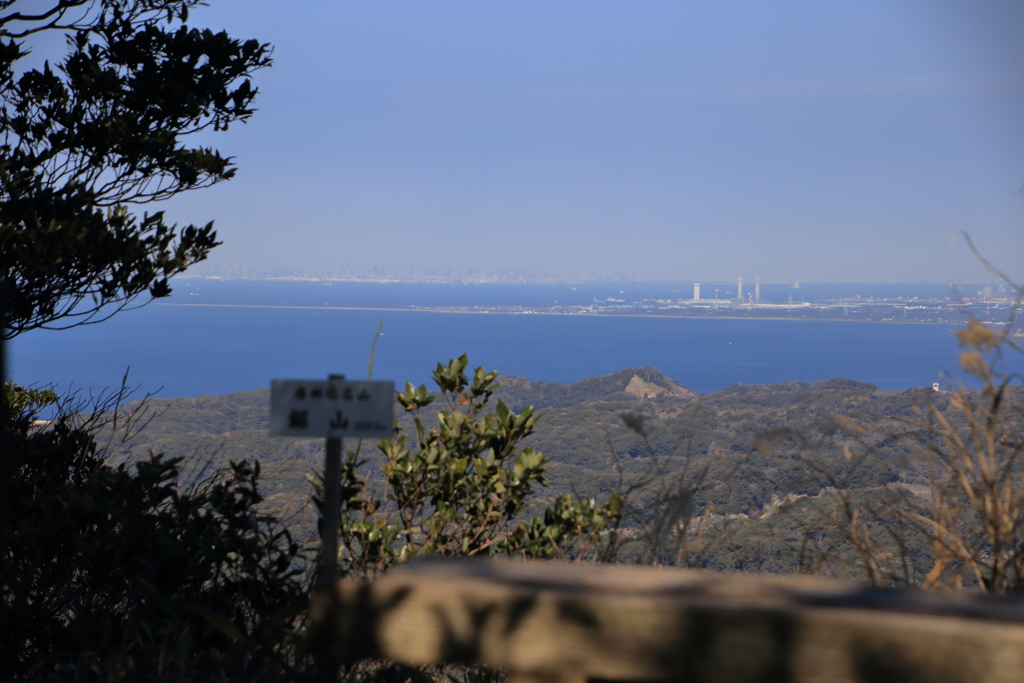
(331, 409)
(327, 572)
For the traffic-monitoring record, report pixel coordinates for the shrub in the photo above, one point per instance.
(114, 573)
(458, 488)
(956, 519)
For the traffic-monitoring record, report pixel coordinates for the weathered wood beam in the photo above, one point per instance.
(547, 621)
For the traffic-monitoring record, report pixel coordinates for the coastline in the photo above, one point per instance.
(556, 313)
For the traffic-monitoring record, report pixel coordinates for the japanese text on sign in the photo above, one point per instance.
(331, 408)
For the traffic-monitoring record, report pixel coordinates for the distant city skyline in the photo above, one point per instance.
(785, 140)
(376, 273)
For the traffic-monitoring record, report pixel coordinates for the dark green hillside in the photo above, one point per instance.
(592, 450)
(234, 425)
(759, 499)
(758, 465)
(208, 431)
(209, 414)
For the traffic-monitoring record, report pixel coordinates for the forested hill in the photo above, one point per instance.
(626, 385)
(236, 423)
(248, 410)
(593, 450)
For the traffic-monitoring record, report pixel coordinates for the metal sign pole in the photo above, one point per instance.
(332, 504)
(327, 667)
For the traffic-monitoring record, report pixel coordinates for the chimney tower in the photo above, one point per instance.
(739, 290)
(757, 290)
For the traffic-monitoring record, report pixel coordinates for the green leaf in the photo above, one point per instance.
(219, 622)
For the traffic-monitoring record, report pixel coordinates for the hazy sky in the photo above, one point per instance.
(810, 141)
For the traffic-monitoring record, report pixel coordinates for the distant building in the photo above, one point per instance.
(739, 290)
(757, 290)
(696, 291)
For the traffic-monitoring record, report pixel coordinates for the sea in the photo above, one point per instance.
(221, 336)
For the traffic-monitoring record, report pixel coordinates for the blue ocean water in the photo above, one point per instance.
(187, 350)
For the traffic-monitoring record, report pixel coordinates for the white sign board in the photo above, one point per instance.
(331, 408)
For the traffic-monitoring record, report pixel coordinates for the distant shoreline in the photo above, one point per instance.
(471, 280)
(568, 315)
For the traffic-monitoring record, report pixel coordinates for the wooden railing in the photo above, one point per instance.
(559, 622)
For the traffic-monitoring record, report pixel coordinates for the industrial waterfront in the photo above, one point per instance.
(989, 304)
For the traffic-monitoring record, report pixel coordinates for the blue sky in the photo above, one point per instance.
(810, 141)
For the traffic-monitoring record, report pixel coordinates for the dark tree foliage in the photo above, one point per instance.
(85, 140)
(124, 574)
(121, 573)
